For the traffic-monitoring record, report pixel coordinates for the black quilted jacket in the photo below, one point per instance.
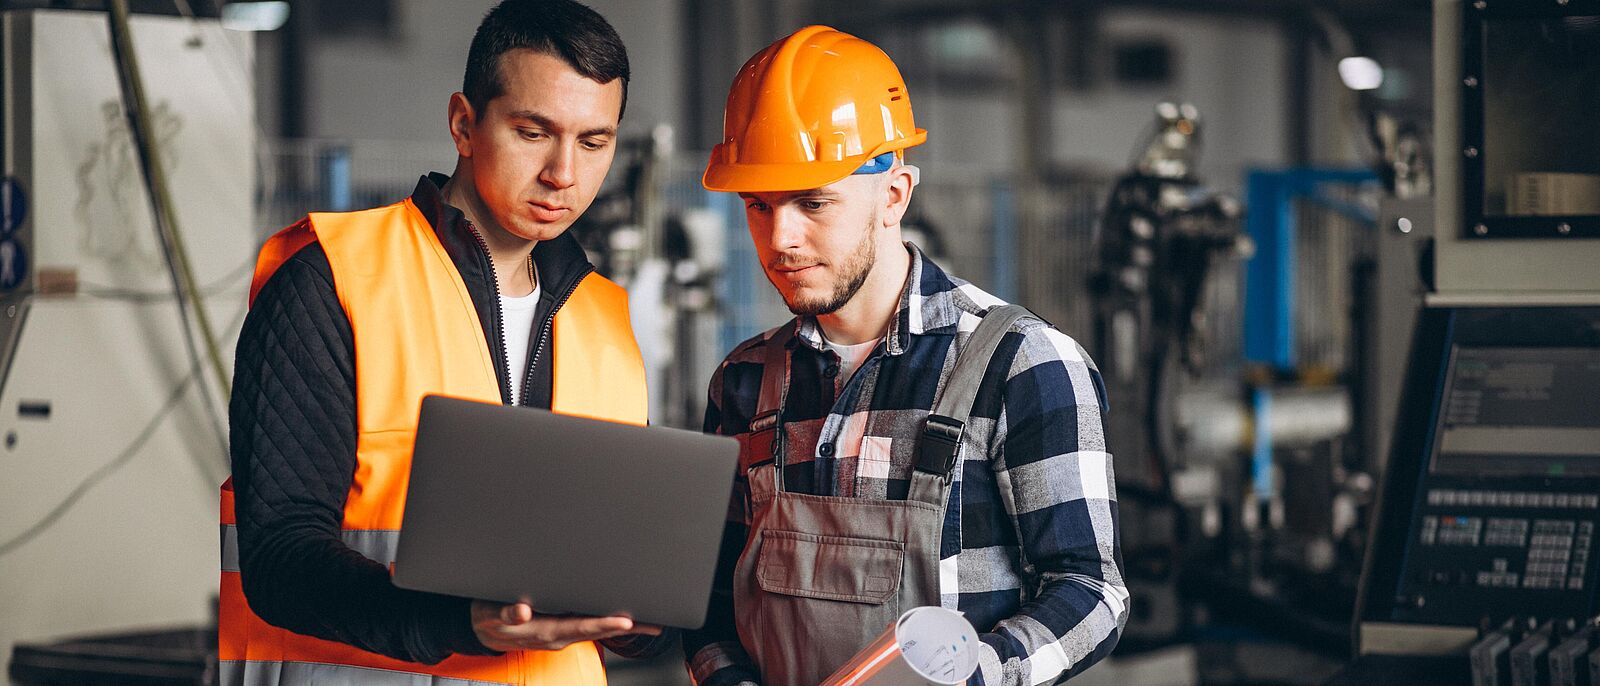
(292, 422)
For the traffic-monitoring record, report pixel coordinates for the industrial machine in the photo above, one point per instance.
(1492, 495)
(1482, 568)
(1429, 488)
(650, 232)
(1162, 233)
(110, 410)
(1507, 495)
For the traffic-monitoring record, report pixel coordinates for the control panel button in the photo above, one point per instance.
(1430, 530)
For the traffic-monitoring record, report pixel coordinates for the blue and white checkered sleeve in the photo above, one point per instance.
(1055, 478)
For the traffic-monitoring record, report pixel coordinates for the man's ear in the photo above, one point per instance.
(462, 119)
(897, 194)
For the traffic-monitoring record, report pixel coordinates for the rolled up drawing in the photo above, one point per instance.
(926, 646)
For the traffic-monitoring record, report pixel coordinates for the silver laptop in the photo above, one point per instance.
(579, 515)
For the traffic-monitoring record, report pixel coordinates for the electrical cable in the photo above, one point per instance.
(155, 182)
(104, 471)
(218, 287)
(184, 292)
(123, 457)
(171, 239)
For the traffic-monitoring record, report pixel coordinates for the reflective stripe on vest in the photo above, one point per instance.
(255, 673)
(395, 281)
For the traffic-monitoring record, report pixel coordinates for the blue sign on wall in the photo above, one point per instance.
(13, 206)
(13, 264)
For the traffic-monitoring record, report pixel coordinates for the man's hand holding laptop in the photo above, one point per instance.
(515, 626)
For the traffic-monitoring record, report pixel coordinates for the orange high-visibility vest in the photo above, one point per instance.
(416, 332)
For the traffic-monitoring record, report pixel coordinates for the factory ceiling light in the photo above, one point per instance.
(1360, 73)
(255, 16)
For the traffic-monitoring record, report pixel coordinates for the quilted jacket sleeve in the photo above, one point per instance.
(293, 434)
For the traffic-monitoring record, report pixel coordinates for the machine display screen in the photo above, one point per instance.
(1495, 472)
(1520, 412)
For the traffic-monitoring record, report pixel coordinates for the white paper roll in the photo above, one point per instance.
(926, 646)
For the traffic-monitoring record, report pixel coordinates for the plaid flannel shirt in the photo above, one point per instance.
(1029, 549)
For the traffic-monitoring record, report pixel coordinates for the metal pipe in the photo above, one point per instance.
(1217, 423)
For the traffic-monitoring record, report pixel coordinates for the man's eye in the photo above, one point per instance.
(593, 145)
(756, 206)
(813, 205)
(531, 134)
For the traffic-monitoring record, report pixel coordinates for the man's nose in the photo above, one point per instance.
(559, 170)
(788, 232)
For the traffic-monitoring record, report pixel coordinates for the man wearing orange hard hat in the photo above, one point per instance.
(876, 473)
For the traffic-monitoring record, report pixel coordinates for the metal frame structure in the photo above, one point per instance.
(1269, 296)
(1545, 269)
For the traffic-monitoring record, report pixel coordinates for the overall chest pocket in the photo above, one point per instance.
(856, 570)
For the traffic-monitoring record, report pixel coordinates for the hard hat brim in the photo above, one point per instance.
(731, 177)
(766, 178)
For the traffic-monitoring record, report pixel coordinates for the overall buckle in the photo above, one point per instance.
(941, 438)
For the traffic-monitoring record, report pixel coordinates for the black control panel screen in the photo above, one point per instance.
(1491, 500)
(1508, 510)
(1520, 412)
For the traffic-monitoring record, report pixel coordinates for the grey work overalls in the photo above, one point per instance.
(820, 576)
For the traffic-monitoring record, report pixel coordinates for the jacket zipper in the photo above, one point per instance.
(499, 318)
(544, 331)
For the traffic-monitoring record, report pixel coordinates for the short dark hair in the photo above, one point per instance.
(559, 28)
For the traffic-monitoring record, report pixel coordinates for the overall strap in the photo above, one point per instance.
(941, 435)
(766, 431)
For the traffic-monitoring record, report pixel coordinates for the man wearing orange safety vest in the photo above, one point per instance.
(471, 287)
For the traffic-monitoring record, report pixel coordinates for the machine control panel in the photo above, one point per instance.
(1501, 487)
(1522, 552)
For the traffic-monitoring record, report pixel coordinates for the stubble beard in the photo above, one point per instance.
(853, 275)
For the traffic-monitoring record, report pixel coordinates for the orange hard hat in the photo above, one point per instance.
(810, 110)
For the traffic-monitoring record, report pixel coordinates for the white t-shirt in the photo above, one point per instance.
(850, 356)
(517, 319)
